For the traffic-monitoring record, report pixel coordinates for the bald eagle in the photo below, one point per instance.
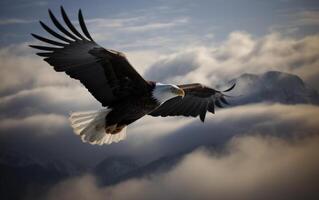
(125, 95)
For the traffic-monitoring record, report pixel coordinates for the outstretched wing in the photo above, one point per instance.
(106, 73)
(198, 100)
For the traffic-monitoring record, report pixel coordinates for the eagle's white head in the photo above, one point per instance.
(163, 92)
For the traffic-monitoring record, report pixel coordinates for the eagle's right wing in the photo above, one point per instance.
(107, 74)
(197, 101)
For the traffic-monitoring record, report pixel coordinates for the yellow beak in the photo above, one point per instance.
(181, 93)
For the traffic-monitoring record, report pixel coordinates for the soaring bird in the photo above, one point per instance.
(124, 94)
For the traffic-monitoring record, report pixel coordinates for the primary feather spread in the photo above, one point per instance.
(113, 81)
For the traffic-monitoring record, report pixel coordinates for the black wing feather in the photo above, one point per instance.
(44, 54)
(211, 107)
(190, 109)
(48, 40)
(53, 33)
(197, 101)
(83, 26)
(218, 104)
(108, 76)
(231, 87)
(194, 108)
(203, 111)
(223, 100)
(166, 110)
(44, 48)
(69, 24)
(60, 27)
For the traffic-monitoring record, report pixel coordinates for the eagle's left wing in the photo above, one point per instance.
(198, 100)
(106, 73)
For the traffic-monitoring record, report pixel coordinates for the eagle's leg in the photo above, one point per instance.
(118, 129)
(114, 121)
(114, 129)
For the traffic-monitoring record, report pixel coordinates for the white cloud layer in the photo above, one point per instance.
(15, 21)
(21, 69)
(250, 168)
(43, 124)
(31, 87)
(307, 18)
(241, 53)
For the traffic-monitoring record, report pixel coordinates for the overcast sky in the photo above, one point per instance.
(174, 41)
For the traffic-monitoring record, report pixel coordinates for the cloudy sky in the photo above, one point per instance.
(268, 150)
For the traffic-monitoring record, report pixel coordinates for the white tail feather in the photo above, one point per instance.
(90, 126)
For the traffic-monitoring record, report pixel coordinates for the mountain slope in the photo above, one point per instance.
(272, 86)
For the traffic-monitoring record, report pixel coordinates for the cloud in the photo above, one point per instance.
(115, 28)
(84, 188)
(307, 18)
(142, 59)
(21, 69)
(48, 99)
(278, 120)
(41, 91)
(41, 124)
(242, 53)
(251, 167)
(156, 25)
(31, 87)
(23, 4)
(111, 22)
(299, 18)
(15, 21)
(173, 66)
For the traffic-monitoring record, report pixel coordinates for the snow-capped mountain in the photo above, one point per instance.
(22, 173)
(272, 86)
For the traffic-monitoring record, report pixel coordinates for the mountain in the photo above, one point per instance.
(116, 169)
(20, 159)
(22, 175)
(113, 168)
(272, 86)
